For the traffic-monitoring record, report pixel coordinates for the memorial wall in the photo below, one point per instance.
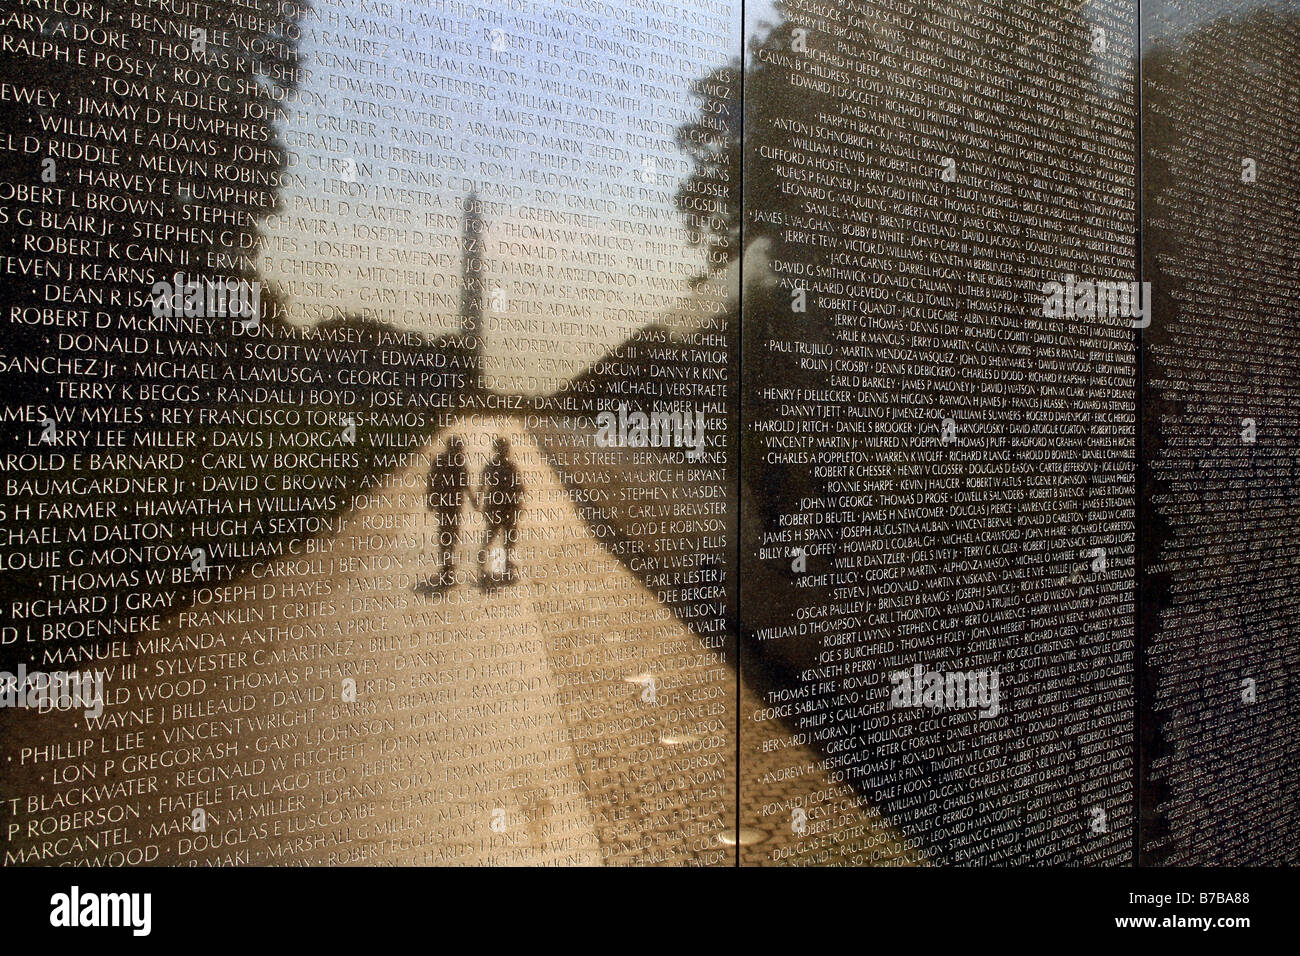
(573, 433)
(1221, 245)
(942, 471)
(314, 317)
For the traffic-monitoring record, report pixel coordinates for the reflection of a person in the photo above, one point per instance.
(500, 495)
(447, 490)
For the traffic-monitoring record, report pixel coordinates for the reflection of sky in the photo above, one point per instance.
(375, 232)
(758, 12)
(563, 120)
(1170, 19)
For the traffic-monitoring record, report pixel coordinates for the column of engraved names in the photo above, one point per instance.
(960, 456)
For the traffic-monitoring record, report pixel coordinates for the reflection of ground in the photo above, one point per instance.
(796, 815)
(779, 781)
(565, 719)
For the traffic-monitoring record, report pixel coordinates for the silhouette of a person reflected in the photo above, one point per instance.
(446, 493)
(500, 496)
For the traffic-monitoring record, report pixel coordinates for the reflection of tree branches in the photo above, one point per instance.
(713, 144)
(719, 139)
(780, 122)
